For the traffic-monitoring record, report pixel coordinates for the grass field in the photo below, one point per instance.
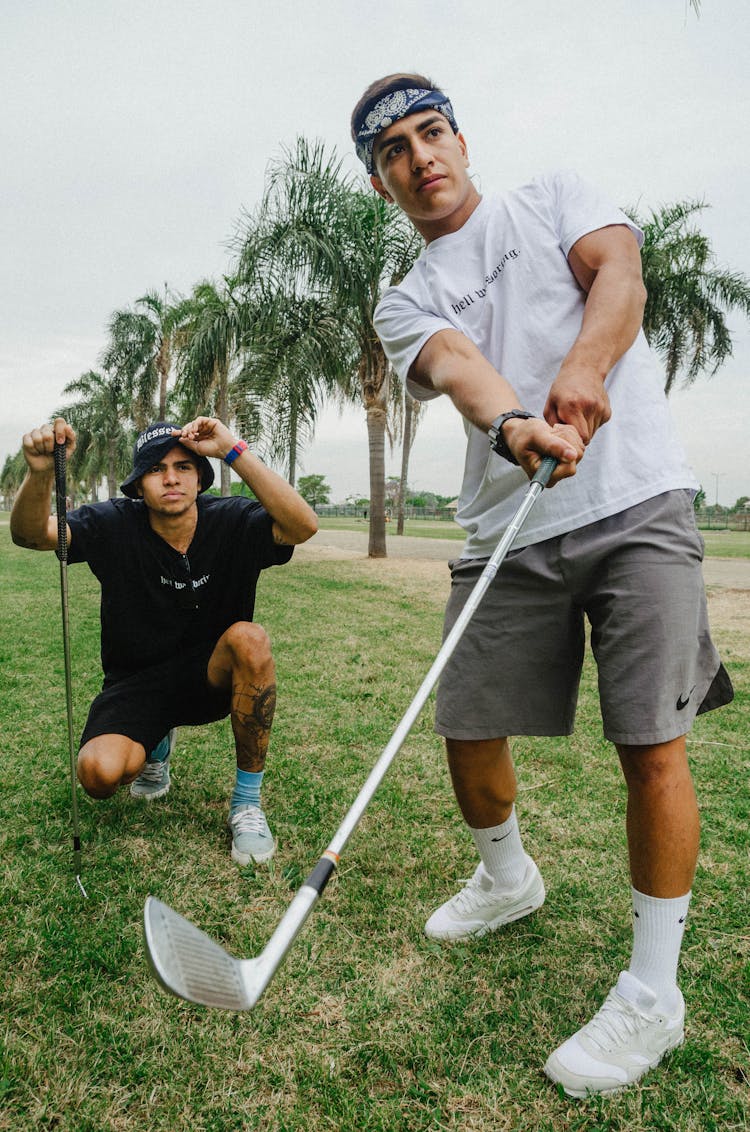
(727, 544)
(719, 544)
(419, 528)
(369, 1025)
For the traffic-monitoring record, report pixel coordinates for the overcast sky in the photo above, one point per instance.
(135, 133)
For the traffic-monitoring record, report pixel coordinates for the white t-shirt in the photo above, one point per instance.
(504, 281)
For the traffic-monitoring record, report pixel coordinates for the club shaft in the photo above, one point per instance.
(62, 554)
(378, 772)
(309, 893)
(287, 930)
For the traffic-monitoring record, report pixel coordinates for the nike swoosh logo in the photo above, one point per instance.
(684, 703)
(500, 838)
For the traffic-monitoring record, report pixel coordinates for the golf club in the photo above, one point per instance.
(62, 553)
(186, 961)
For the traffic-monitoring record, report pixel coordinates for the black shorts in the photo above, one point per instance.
(148, 704)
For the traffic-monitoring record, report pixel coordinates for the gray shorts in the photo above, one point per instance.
(637, 577)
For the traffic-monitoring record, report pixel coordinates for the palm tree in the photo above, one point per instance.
(103, 439)
(688, 295)
(297, 356)
(213, 322)
(12, 476)
(140, 350)
(319, 235)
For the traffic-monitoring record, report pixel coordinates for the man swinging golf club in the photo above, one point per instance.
(525, 309)
(178, 571)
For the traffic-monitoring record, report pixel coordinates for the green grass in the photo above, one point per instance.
(719, 544)
(419, 528)
(368, 1025)
(727, 544)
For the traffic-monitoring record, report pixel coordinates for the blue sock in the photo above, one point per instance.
(160, 752)
(247, 789)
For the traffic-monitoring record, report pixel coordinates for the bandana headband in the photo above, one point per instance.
(393, 107)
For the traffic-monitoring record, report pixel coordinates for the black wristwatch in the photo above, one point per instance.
(495, 433)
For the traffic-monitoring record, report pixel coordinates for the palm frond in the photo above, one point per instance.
(689, 295)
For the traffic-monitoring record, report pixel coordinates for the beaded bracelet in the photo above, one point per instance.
(233, 453)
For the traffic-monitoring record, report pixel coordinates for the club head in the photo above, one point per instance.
(189, 964)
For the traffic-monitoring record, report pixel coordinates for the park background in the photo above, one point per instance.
(133, 136)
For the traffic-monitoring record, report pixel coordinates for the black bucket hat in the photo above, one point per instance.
(153, 443)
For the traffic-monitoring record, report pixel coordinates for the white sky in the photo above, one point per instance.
(134, 133)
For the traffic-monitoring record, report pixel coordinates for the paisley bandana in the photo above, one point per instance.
(390, 109)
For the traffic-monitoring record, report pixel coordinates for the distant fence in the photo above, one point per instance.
(708, 520)
(349, 511)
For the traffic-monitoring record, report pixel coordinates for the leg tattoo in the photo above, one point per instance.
(252, 715)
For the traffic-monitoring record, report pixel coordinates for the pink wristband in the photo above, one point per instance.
(233, 453)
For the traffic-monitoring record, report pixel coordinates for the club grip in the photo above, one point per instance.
(61, 499)
(545, 470)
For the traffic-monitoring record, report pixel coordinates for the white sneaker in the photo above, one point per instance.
(252, 840)
(479, 908)
(623, 1040)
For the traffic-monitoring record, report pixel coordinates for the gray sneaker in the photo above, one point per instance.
(153, 781)
(252, 840)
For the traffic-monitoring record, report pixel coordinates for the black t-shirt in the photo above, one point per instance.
(157, 602)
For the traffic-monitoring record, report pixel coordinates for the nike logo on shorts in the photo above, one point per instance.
(684, 703)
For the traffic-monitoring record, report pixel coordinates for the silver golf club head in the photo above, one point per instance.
(189, 964)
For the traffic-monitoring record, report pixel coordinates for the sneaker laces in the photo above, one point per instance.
(251, 820)
(152, 772)
(614, 1023)
(471, 896)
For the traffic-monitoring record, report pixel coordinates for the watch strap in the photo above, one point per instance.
(495, 433)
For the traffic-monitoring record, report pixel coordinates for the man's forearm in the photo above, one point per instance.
(450, 363)
(294, 518)
(29, 519)
(607, 266)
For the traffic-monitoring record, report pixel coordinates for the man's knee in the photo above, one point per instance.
(107, 762)
(650, 767)
(249, 644)
(483, 766)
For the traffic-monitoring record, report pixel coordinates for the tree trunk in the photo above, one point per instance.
(376, 420)
(373, 381)
(221, 412)
(293, 433)
(163, 363)
(405, 453)
(112, 468)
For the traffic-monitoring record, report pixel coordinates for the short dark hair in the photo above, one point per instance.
(379, 89)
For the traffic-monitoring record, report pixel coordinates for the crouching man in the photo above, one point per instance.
(178, 571)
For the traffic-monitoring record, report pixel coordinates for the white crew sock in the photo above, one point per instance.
(502, 853)
(658, 928)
